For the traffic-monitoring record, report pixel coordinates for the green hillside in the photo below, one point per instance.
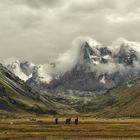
(16, 96)
(125, 103)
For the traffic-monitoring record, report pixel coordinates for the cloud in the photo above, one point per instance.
(43, 29)
(34, 3)
(91, 6)
(67, 60)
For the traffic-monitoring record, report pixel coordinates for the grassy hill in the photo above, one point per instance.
(16, 96)
(125, 103)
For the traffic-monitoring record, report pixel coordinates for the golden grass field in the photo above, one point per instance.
(44, 128)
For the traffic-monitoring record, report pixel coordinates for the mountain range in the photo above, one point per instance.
(89, 77)
(89, 67)
(16, 96)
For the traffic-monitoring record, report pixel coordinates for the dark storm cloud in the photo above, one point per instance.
(42, 3)
(42, 29)
(92, 6)
(35, 3)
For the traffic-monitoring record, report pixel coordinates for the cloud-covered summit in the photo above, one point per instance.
(86, 54)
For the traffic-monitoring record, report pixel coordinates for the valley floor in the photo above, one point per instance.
(44, 128)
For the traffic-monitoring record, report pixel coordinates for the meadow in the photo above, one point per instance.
(44, 128)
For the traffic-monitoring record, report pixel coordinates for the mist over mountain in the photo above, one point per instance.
(87, 65)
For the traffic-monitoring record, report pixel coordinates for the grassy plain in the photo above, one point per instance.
(44, 128)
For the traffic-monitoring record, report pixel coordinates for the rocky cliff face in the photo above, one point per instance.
(98, 69)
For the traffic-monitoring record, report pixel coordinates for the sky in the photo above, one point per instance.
(41, 30)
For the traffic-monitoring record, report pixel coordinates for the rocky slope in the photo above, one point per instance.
(16, 96)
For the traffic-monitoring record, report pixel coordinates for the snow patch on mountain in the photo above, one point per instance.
(93, 43)
(103, 80)
(14, 66)
(43, 75)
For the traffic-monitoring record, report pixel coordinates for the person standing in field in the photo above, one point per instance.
(56, 120)
(69, 120)
(76, 121)
(66, 122)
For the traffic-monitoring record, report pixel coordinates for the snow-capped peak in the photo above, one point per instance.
(89, 56)
(93, 43)
(14, 66)
(11, 60)
(133, 45)
(122, 43)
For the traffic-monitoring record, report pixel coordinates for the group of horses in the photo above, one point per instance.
(68, 120)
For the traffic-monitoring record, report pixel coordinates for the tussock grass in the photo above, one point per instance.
(44, 128)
